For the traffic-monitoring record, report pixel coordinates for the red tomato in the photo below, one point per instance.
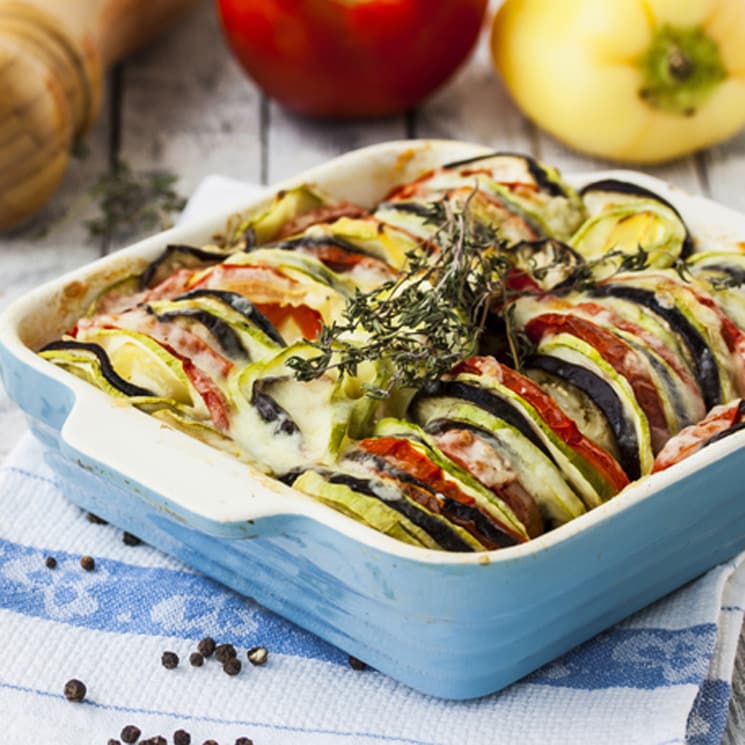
(350, 57)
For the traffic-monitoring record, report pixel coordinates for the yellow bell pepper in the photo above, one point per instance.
(632, 80)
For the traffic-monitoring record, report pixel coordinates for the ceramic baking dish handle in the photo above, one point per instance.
(169, 468)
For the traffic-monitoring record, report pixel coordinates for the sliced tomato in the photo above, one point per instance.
(720, 419)
(401, 454)
(308, 320)
(619, 355)
(339, 260)
(552, 414)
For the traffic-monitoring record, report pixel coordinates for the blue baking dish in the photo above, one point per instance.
(452, 625)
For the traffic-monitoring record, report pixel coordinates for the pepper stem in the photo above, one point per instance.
(681, 68)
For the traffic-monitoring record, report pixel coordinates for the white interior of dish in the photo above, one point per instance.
(213, 485)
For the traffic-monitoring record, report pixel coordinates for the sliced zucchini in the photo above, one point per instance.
(176, 257)
(518, 447)
(608, 195)
(634, 442)
(690, 320)
(370, 502)
(148, 365)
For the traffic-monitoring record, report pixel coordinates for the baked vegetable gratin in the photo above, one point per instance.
(483, 356)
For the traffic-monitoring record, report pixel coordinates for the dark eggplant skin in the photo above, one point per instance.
(736, 273)
(423, 209)
(625, 187)
(606, 400)
(107, 370)
(483, 399)
(705, 370)
(440, 532)
(451, 508)
(244, 306)
(311, 241)
(201, 255)
(536, 170)
(228, 340)
(269, 410)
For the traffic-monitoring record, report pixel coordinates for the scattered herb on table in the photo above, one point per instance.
(131, 203)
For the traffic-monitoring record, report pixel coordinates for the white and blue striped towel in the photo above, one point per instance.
(659, 678)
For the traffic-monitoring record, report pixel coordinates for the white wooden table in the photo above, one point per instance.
(184, 105)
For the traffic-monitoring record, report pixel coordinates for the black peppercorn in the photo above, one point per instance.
(244, 741)
(130, 540)
(169, 660)
(75, 690)
(210, 742)
(196, 659)
(206, 647)
(225, 652)
(356, 664)
(113, 741)
(51, 562)
(181, 737)
(130, 734)
(95, 519)
(87, 563)
(232, 666)
(257, 655)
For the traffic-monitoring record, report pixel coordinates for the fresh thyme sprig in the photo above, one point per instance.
(131, 203)
(423, 322)
(434, 314)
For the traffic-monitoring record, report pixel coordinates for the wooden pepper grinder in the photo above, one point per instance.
(53, 55)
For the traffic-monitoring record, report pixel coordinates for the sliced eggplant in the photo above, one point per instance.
(705, 366)
(519, 451)
(290, 212)
(550, 263)
(605, 398)
(408, 455)
(605, 194)
(237, 303)
(177, 257)
(86, 355)
(380, 505)
(227, 339)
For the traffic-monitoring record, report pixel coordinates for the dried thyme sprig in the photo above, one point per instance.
(428, 318)
(132, 203)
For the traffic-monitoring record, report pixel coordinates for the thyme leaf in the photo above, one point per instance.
(431, 316)
(132, 203)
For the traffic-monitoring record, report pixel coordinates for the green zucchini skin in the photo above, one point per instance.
(487, 532)
(173, 255)
(116, 380)
(241, 304)
(485, 400)
(606, 400)
(438, 528)
(625, 188)
(706, 370)
(227, 339)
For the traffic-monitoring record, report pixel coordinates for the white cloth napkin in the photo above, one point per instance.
(659, 678)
